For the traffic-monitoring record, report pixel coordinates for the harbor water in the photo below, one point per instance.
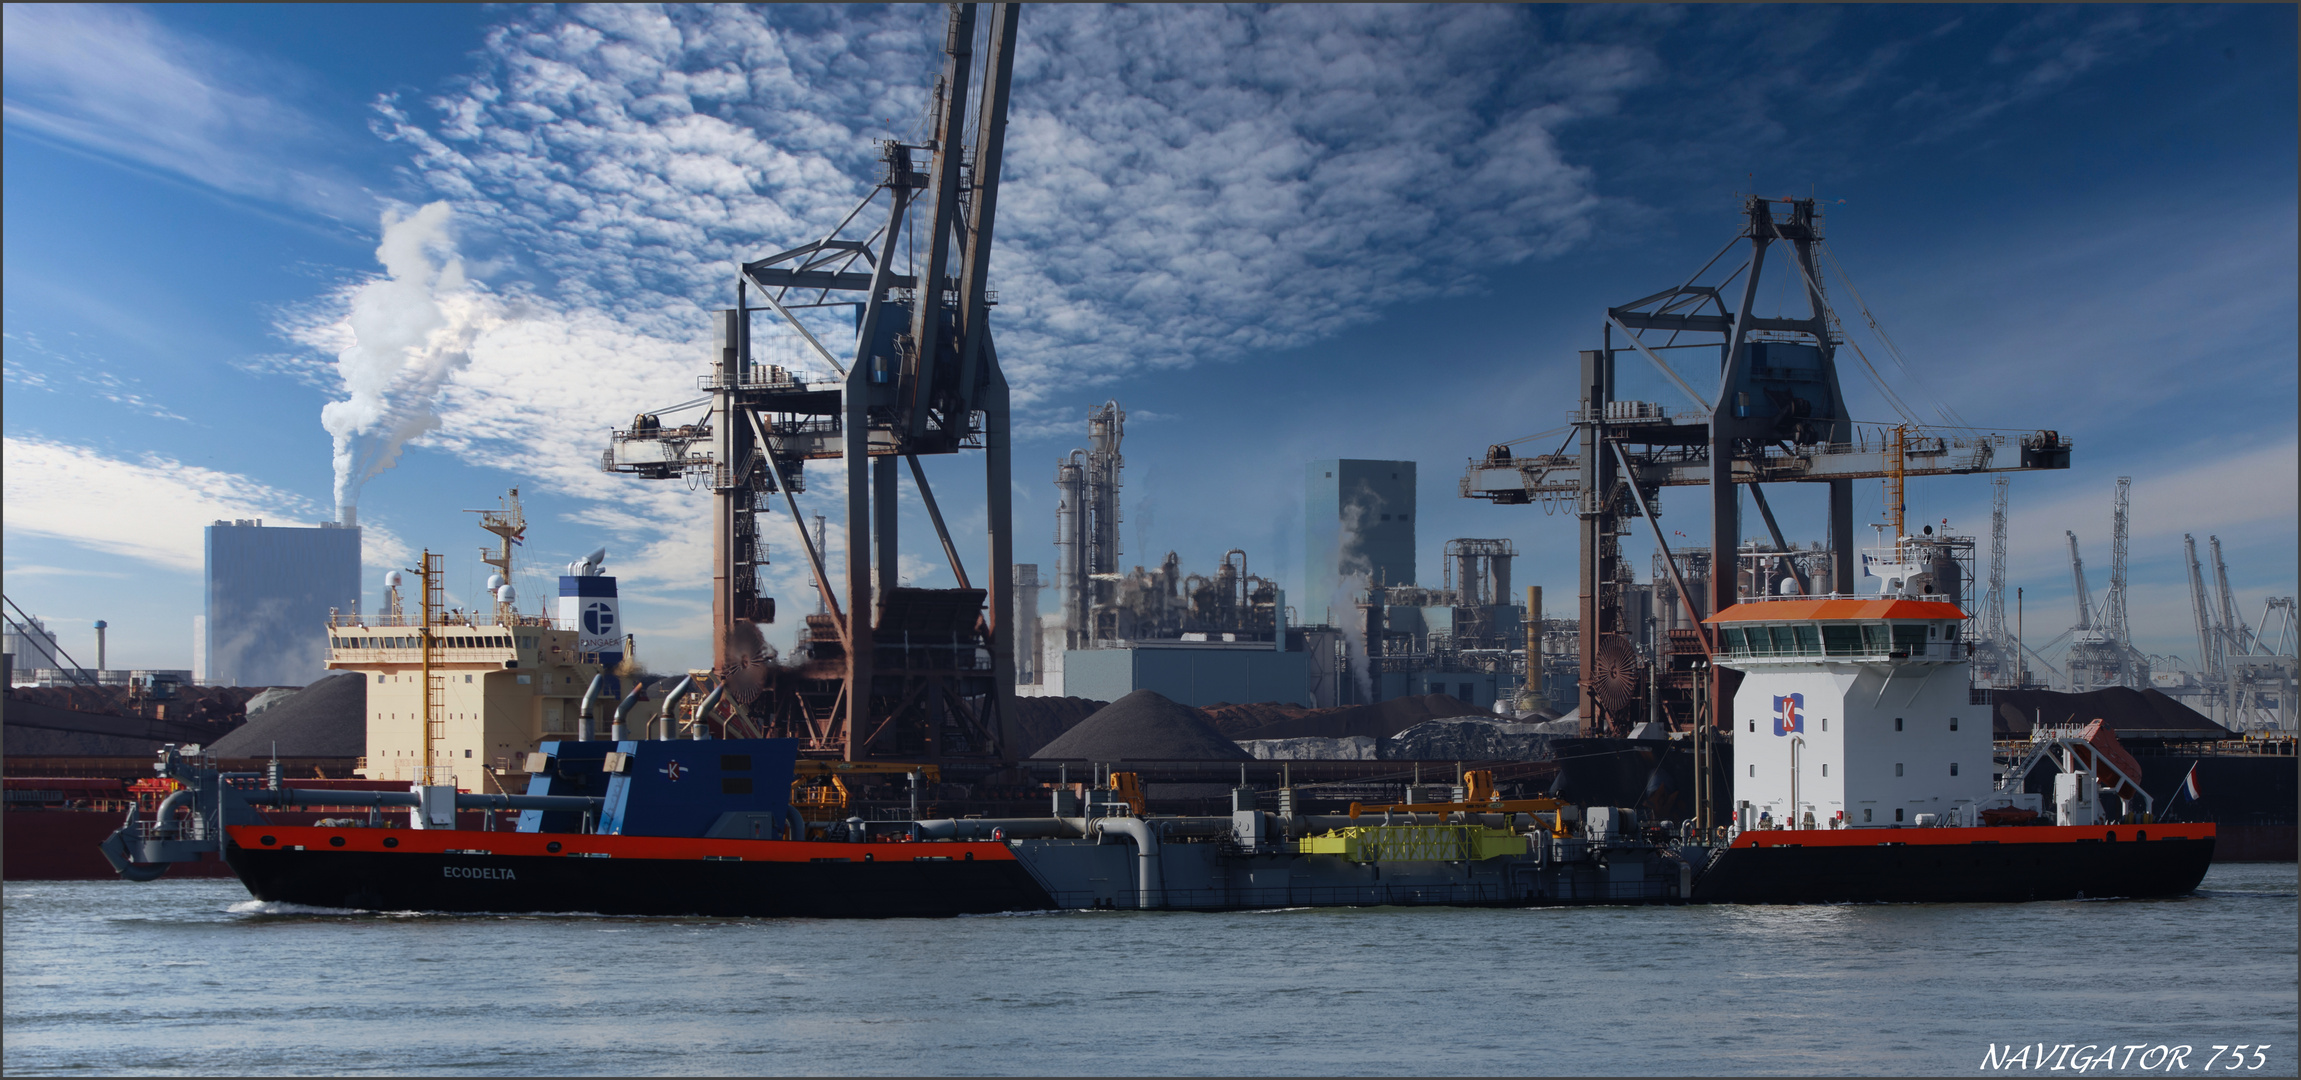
(191, 976)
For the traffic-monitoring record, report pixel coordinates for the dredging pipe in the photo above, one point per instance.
(1150, 887)
(701, 724)
(670, 706)
(584, 714)
(623, 710)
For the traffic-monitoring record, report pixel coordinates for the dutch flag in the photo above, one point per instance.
(2189, 783)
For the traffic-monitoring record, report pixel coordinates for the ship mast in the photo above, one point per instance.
(509, 525)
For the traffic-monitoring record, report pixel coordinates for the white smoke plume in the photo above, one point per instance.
(412, 331)
(1345, 591)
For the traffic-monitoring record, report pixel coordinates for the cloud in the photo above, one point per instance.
(151, 509)
(111, 80)
(1159, 207)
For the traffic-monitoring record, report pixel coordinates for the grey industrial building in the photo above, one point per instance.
(1359, 518)
(270, 590)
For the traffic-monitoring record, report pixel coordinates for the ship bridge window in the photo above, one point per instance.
(1785, 642)
(1909, 635)
(1735, 642)
(1809, 639)
(1874, 637)
(1949, 632)
(1841, 639)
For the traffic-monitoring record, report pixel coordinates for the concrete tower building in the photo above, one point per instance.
(269, 593)
(1360, 521)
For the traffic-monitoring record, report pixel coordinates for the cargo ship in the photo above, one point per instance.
(709, 827)
(1865, 771)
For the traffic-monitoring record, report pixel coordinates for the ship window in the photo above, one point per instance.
(1874, 637)
(1897, 768)
(1897, 723)
(1785, 640)
(1753, 770)
(1825, 723)
(1897, 813)
(1825, 768)
(1753, 731)
(1865, 813)
(734, 763)
(1809, 639)
(379, 678)
(467, 678)
(1953, 768)
(1949, 632)
(1953, 723)
(1844, 639)
(1909, 635)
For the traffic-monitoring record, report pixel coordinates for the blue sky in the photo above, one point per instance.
(1273, 235)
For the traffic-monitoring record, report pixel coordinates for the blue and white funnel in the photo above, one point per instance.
(587, 604)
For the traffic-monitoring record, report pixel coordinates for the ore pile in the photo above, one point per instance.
(1144, 726)
(1381, 720)
(1468, 738)
(327, 719)
(2133, 714)
(1038, 721)
(1315, 748)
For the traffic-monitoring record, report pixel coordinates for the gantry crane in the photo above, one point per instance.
(1775, 414)
(886, 671)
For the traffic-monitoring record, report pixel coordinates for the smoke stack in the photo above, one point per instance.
(100, 624)
(348, 516)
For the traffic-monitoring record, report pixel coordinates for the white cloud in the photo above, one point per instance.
(1159, 207)
(110, 79)
(616, 162)
(151, 509)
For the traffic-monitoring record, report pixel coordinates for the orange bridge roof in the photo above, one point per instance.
(1839, 608)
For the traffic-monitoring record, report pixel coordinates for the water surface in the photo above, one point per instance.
(191, 976)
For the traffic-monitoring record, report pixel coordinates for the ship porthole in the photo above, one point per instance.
(970, 856)
(2144, 835)
(2112, 836)
(391, 841)
(552, 847)
(867, 857)
(270, 840)
(335, 841)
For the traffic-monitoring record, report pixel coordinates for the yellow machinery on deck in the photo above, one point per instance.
(820, 793)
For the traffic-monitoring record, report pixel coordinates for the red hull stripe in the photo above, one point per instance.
(2001, 834)
(442, 841)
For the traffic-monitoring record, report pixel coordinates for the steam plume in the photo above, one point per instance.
(412, 330)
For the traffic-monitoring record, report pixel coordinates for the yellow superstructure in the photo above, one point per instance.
(1416, 843)
(501, 689)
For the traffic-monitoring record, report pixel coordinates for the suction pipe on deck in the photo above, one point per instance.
(623, 710)
(671, 706)
(583, 711)
(703, 711)
(1150, 887)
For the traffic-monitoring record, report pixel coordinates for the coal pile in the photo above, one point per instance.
(2133, 714)
(326, 719)
(1144, 726)
(1038, 721)
(1468, 738)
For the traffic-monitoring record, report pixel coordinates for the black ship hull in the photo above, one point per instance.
(419, 881)
(2001, 865)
